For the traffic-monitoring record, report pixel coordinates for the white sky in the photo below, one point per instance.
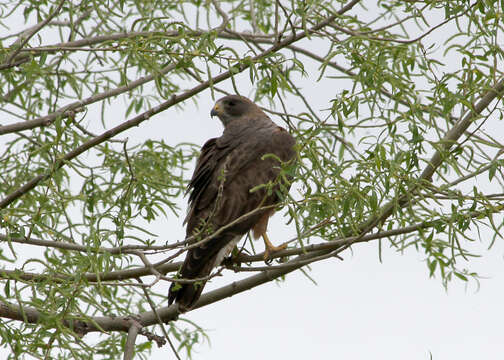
(361, 308)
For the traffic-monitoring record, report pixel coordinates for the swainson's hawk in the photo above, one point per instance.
(227, 169)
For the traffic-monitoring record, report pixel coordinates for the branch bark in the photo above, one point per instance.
(163, 106)
(22, 40)
(129, 347)
(164, 268)
(311, 253)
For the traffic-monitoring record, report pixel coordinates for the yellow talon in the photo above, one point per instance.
(270, 248)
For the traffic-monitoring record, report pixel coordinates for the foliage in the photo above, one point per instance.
(402, 152)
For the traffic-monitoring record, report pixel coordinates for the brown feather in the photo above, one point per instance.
(227, 169)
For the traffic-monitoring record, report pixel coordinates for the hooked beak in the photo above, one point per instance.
(215, 110)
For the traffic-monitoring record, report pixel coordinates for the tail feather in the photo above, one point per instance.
(185, 295)
(198, 263)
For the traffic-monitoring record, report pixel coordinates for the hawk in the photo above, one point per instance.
(226, 185)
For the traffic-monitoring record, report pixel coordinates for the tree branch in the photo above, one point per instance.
(164, 268)
(307, 255)
(24, 40)
(460, 127)
(69, 109)
(163, 106)
(446, 143)
(129, 347)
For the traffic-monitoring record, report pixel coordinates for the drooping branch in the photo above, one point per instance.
(449, 140)
(307, 255)
(164, 268)
(25, 37)
(137, 120)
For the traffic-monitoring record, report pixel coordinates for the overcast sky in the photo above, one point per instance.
(361, 308)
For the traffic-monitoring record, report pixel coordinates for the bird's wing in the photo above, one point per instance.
(227, 169)
(230, 166)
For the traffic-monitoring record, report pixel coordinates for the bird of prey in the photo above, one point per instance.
(226, 185)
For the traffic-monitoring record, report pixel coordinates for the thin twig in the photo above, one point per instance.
(24, 40)
(159, 321)
(253, 19)
(223, 15)
(107, 323)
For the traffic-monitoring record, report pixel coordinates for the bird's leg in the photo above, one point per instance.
(269, 247)
(232, 259)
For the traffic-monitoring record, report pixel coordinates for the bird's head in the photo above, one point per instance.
(232, 107)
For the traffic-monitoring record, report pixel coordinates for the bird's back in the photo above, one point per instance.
(227, 169)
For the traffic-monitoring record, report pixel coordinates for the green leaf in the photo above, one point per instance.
(460, 276)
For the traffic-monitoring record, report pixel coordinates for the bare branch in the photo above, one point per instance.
(129, 347)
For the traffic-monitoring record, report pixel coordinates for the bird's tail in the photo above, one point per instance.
(199, 263)
(185, 295)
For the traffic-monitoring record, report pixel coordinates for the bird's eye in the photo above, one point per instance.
(231, 103)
